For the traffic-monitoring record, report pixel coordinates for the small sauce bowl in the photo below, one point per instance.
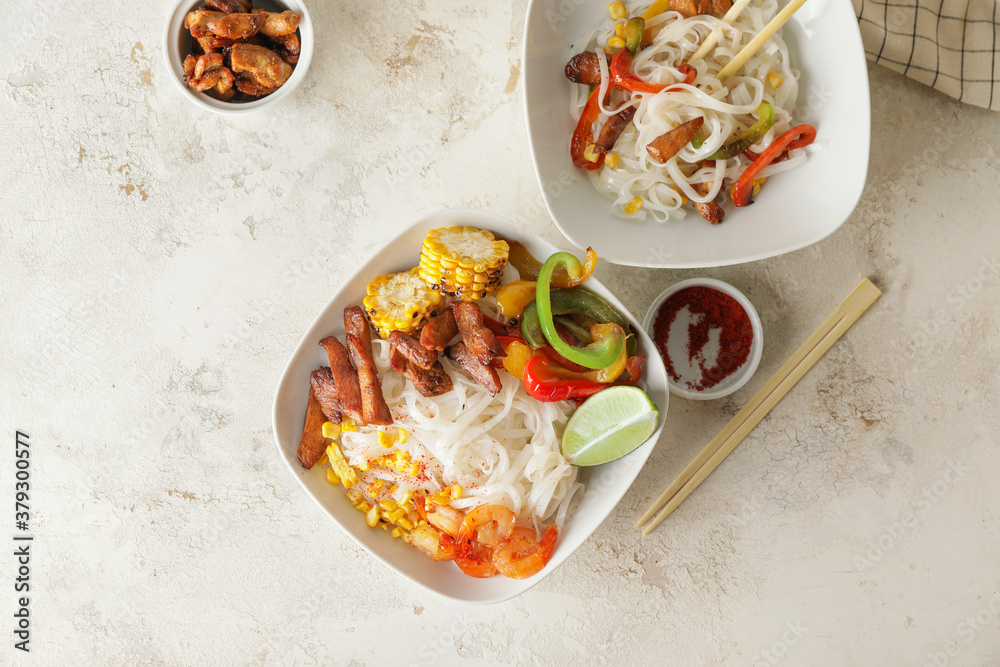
(678, 349)
(177, 44)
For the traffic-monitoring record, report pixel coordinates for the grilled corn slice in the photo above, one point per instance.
(463, 262)
(401, 302)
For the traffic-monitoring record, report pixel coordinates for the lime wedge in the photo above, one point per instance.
(609, 425)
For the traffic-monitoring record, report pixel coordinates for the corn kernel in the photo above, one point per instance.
(611, 159)
(617, 10)
(375, 488)
(590, 153)
(348, 425)
(384, 526)
(633, 206)
(620, 29)
(393, 489)
(388, 505)
(774, 79)
(397, 532)
(401, 435)
(364, 466)
(405, 523)
(414, 469)
(385, 439)
(616, 43)
(332, 476)
(400, 466)
(422, 522)
(371, 518)
(331, 430)
(363, 506)
(323, 460)
(397, 514)
(354, 496)
(456, 492)
(407, 497)
(402, 455)
(756, 187)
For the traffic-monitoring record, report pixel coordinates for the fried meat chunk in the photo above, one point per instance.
(313, 444)
(374, 409)
(411, 348)
(432, 381)
(477, 338)
(265, 67)
(485, 375)
(198, 20)
(278, 24)
(236, 26)
(325, 389)
(439, 331)
(345, 378)
(230, 6)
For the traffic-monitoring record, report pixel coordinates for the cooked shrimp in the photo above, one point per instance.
(432, 543)
(446, 518)
(487, 524)
(482, 529)
(521, 555)
(475, 559)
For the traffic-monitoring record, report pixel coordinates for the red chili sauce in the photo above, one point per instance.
(709, 309)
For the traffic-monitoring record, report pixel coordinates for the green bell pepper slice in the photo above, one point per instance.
(600, 353)
(754, 133)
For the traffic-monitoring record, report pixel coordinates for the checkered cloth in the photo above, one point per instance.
(950, 45)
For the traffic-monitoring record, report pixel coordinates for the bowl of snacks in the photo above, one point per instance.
(234, 57)
(467, 413)
(709, 336)
(649, 145)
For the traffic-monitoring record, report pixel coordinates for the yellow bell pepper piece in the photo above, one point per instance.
(612, 372)
(655, 9)
(514, 297)
(517, 357)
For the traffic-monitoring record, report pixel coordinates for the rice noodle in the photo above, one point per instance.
(500, 450)
(727, 108)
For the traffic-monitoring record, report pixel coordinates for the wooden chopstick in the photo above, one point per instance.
(713, 38)
(779, 20)
(846, 314)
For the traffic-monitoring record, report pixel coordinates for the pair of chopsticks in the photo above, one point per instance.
(754, 44)
(846, 314)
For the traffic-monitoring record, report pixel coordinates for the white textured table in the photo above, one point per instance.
(158, 264)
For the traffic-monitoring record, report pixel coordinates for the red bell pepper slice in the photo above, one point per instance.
(621, 77)
(583, 136)
(545, 382)
(797, 137)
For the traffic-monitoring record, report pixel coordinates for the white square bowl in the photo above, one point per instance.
(605, 485)
(795, 209)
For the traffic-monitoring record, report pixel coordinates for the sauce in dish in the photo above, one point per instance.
(703, 335)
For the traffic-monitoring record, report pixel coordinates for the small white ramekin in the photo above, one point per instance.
(742, 375)
(177, 44)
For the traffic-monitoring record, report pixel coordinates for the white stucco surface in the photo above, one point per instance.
(158, 264)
